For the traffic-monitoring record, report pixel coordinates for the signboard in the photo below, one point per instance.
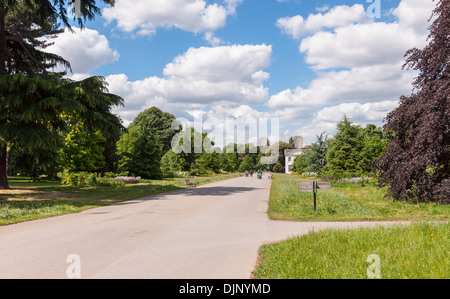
(305, 187)
(308, 187)
(323, 185)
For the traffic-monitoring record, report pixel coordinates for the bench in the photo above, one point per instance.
(189, 183)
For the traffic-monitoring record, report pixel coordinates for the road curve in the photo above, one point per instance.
(212, 231)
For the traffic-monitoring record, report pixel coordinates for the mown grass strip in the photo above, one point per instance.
(416, 251)
(345, 202)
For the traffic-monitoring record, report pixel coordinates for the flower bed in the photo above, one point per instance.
(128, 180)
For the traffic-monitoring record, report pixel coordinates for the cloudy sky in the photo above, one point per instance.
(304, 62)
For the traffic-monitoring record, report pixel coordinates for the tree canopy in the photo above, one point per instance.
(344, 153)
(34, 110)
(416, 163)
(148, 139)
(22, 23)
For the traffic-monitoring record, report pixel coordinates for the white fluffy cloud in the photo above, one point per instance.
(360, 45)
(146, 16)
(365, 84)
(325, 120)
(338, 16)
(414, 13)
(85, 49)
(358, 64)
(200, 78)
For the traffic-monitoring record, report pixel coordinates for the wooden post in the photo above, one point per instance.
(315, 192)
(308, 187)
(315, 201)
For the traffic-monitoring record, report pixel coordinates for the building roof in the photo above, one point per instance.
(292, 152)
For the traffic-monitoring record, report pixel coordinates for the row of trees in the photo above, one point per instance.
(351, 150)
(46, 119)
(143, 149)
(149, 149)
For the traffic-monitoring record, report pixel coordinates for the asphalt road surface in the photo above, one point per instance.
(212, 231)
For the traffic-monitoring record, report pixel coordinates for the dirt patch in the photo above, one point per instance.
(34, 195)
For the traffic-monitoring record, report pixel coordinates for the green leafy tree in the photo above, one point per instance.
(316, 157)
(232, 162)
(206, 164)
(229, 162)
(374, 145)
(139, 154)
(171, 163)
(110, 156)
(149, 137)
(344, 153)
(82, 149)
(159, 124)
(189, 146)
(247, 164)
(301, 161)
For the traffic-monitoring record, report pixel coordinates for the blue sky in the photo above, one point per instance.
(253, 23)
(304, 62)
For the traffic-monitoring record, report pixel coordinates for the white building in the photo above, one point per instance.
(291, 154)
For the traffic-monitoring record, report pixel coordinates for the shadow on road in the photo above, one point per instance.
(203, 191)
(216, 191)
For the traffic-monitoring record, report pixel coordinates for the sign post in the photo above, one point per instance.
(315, 192)
(308, 187)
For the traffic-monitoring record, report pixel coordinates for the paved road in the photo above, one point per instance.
(213, 231)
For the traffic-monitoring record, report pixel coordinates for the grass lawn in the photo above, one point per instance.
(345, 202)
(416, 251)
(34, 200)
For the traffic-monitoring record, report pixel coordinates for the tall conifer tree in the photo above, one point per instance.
(17, 56)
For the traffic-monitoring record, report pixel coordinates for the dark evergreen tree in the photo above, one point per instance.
(344, 152)
(34, 111)
(16, 56)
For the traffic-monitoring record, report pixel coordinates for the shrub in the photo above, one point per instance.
(77, 178)
(91, 179)
(109, 182)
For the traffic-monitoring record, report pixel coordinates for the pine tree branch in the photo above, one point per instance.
(20, 42)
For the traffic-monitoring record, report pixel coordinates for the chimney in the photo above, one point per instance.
(298, 142)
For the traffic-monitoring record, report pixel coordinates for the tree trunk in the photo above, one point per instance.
(3, 49)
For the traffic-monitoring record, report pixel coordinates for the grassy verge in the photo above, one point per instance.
(34, 200)
(345, 202)
(417, 251)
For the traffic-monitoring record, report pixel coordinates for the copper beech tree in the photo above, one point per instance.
(416, 163)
